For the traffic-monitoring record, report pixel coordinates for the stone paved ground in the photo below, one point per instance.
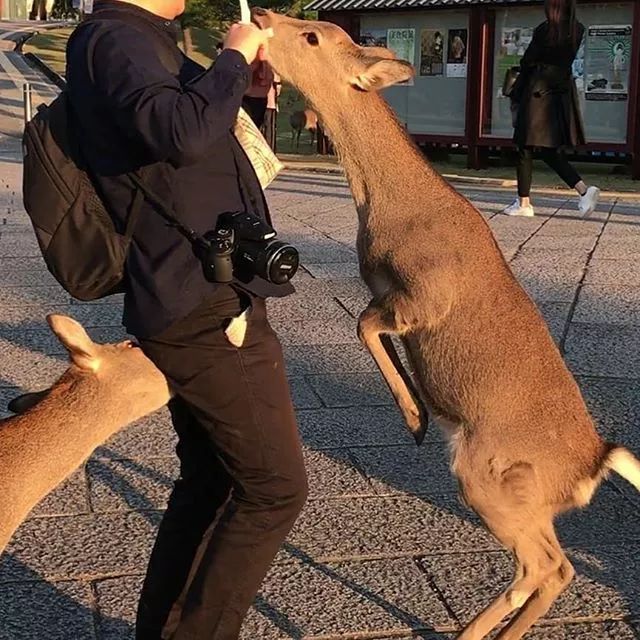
(383, 546)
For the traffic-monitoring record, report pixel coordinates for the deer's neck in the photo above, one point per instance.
(383, 166)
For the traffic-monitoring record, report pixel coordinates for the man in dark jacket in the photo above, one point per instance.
(141, 106)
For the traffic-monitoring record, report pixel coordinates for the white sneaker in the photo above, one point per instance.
(516, 209)
(589, 201)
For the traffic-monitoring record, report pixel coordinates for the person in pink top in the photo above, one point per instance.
(255, 97)
(271, 114)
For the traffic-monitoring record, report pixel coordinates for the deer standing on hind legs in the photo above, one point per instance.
(523, 446)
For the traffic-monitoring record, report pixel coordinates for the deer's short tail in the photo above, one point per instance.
(624, 463)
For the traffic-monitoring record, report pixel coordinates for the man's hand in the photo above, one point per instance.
(249, 40)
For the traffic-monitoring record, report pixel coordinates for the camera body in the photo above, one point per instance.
(242, 246)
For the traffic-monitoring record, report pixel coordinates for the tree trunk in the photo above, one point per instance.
(187, 41)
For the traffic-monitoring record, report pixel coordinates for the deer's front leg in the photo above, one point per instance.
(374, 328)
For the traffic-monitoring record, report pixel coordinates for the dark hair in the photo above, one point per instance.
(561, 20)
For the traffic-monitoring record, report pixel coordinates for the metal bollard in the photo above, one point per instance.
(27, 102)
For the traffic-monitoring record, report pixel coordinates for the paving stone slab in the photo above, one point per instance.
(123, 485)
(35, 263)
(615, 406)
(68, 499)
(604, 587)
(303, 395)
(311, 599)
(81, 547)
(328, 271)
(608, 304)
(614, 272)
(332, 288)
(408, 469)
(602, 350)
(355, 426)
(24, 296)
(559, 227)
(334, 474)
(562, 242)
(27, 370)
(555, 315)
(346, 527)
(617, 248)
(612, 630)
(327, 358)
(346, 236)
(18, 244)
(116, 605)
(351, 389)
(311, 320)
(554, 285)
(51, 611)
(337, 215)
(15, 278)
(355, 304)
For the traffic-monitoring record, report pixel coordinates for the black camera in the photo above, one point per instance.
(243, 245)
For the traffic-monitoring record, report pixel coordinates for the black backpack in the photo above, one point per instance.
(79, 242)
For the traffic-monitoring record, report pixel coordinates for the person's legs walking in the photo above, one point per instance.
(524, 169)
(241, 399)
(589, 196)
(201, 490)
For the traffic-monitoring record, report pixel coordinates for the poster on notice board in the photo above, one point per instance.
(431, 52)
(514, 42)
(457, 53)
(403, 43)
(373, 38)
(607, 60)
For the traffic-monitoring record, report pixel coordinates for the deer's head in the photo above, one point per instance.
(322, 60)
(119, 372)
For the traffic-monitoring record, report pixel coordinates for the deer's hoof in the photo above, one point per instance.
(419, 434)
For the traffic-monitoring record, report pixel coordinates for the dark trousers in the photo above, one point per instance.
(256, 108)
(242, 480)
(554, 158)
(269, 128)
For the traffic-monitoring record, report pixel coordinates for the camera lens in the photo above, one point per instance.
(275, 262)
(282, 262)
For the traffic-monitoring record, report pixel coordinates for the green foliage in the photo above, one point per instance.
(216, 14)
(209, 14)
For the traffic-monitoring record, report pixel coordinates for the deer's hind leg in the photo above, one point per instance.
(375, 327)
(538, 560)
(543, 598)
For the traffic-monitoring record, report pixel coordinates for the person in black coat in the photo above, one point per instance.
(545, 106)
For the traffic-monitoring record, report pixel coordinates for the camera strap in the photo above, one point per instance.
(161, 208)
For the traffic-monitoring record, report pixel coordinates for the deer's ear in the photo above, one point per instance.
(82, 350)
(379, 73)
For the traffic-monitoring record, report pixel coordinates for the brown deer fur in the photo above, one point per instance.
(523, 444)
(105, 388)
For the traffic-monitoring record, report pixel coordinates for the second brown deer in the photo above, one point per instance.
(523, 445)
(58, 429)
(301, 120)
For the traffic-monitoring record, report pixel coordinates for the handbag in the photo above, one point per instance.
(510, 78)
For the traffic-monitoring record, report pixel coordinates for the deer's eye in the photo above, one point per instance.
(311, 38)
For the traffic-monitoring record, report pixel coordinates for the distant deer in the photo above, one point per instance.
(301, 120)
(58, 429)
(523, 446)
